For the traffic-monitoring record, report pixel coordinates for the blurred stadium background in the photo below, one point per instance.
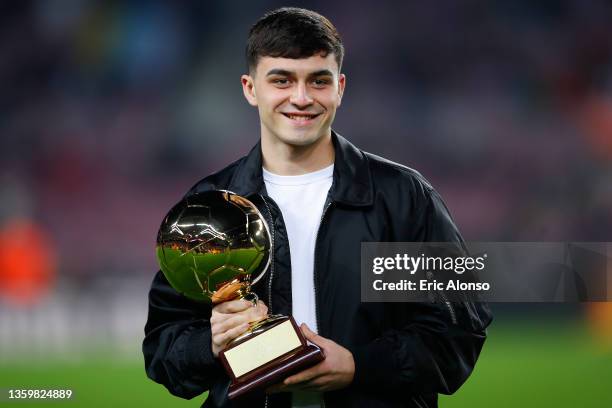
(110, 111)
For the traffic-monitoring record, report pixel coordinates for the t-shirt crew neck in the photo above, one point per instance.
(301, 179)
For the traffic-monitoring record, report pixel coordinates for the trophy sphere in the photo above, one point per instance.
(213, 245)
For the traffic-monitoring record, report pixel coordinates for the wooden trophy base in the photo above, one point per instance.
(268, 356)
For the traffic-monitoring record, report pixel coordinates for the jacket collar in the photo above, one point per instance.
(352, 184)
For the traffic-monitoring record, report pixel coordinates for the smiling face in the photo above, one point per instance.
(296, 98)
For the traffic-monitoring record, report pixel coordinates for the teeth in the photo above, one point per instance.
(300, 117)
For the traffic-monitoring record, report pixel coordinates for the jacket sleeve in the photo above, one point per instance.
(436, 348)
(177, 344)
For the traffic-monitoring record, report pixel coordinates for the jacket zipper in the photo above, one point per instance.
(272, 259)
(448, 304)
(271, 225)
(315, 262)
(329, 203)
(450, 308)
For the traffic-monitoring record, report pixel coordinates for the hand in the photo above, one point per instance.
(333, 373)
(230, 319)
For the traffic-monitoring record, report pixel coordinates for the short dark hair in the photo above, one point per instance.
(292, 32)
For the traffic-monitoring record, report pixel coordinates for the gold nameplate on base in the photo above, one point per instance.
(266, 357)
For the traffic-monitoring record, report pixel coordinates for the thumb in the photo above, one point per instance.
(310, 335)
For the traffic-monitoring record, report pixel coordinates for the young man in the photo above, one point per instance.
(322, 197)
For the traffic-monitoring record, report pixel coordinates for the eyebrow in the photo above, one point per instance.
(284, 72)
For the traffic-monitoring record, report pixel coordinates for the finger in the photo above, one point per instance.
(307, 332)
(312, 336)
(222, 339)
(320, 383)
(260, 312)
(303, 376)
(230, 321)
(239, 306)
(233, 306)
(218, 317)
(221, 322)
(261, 306)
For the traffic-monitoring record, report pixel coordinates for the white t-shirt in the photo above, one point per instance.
(301, 200)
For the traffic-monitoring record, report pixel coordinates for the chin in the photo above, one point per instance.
(300, 139)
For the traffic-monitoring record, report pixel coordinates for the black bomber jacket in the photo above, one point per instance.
(405, 353)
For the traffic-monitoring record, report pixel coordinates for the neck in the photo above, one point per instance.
(292, 160)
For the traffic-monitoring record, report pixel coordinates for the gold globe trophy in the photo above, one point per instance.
(212, 247)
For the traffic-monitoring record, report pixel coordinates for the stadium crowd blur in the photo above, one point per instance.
(111, 110)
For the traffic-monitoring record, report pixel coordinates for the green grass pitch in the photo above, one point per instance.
(522, 365)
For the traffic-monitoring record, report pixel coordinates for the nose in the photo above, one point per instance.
(300, 97)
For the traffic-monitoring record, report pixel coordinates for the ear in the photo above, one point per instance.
(341, 85)
(248, 88)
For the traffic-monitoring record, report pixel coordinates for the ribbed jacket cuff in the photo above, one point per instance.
(198, 351)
